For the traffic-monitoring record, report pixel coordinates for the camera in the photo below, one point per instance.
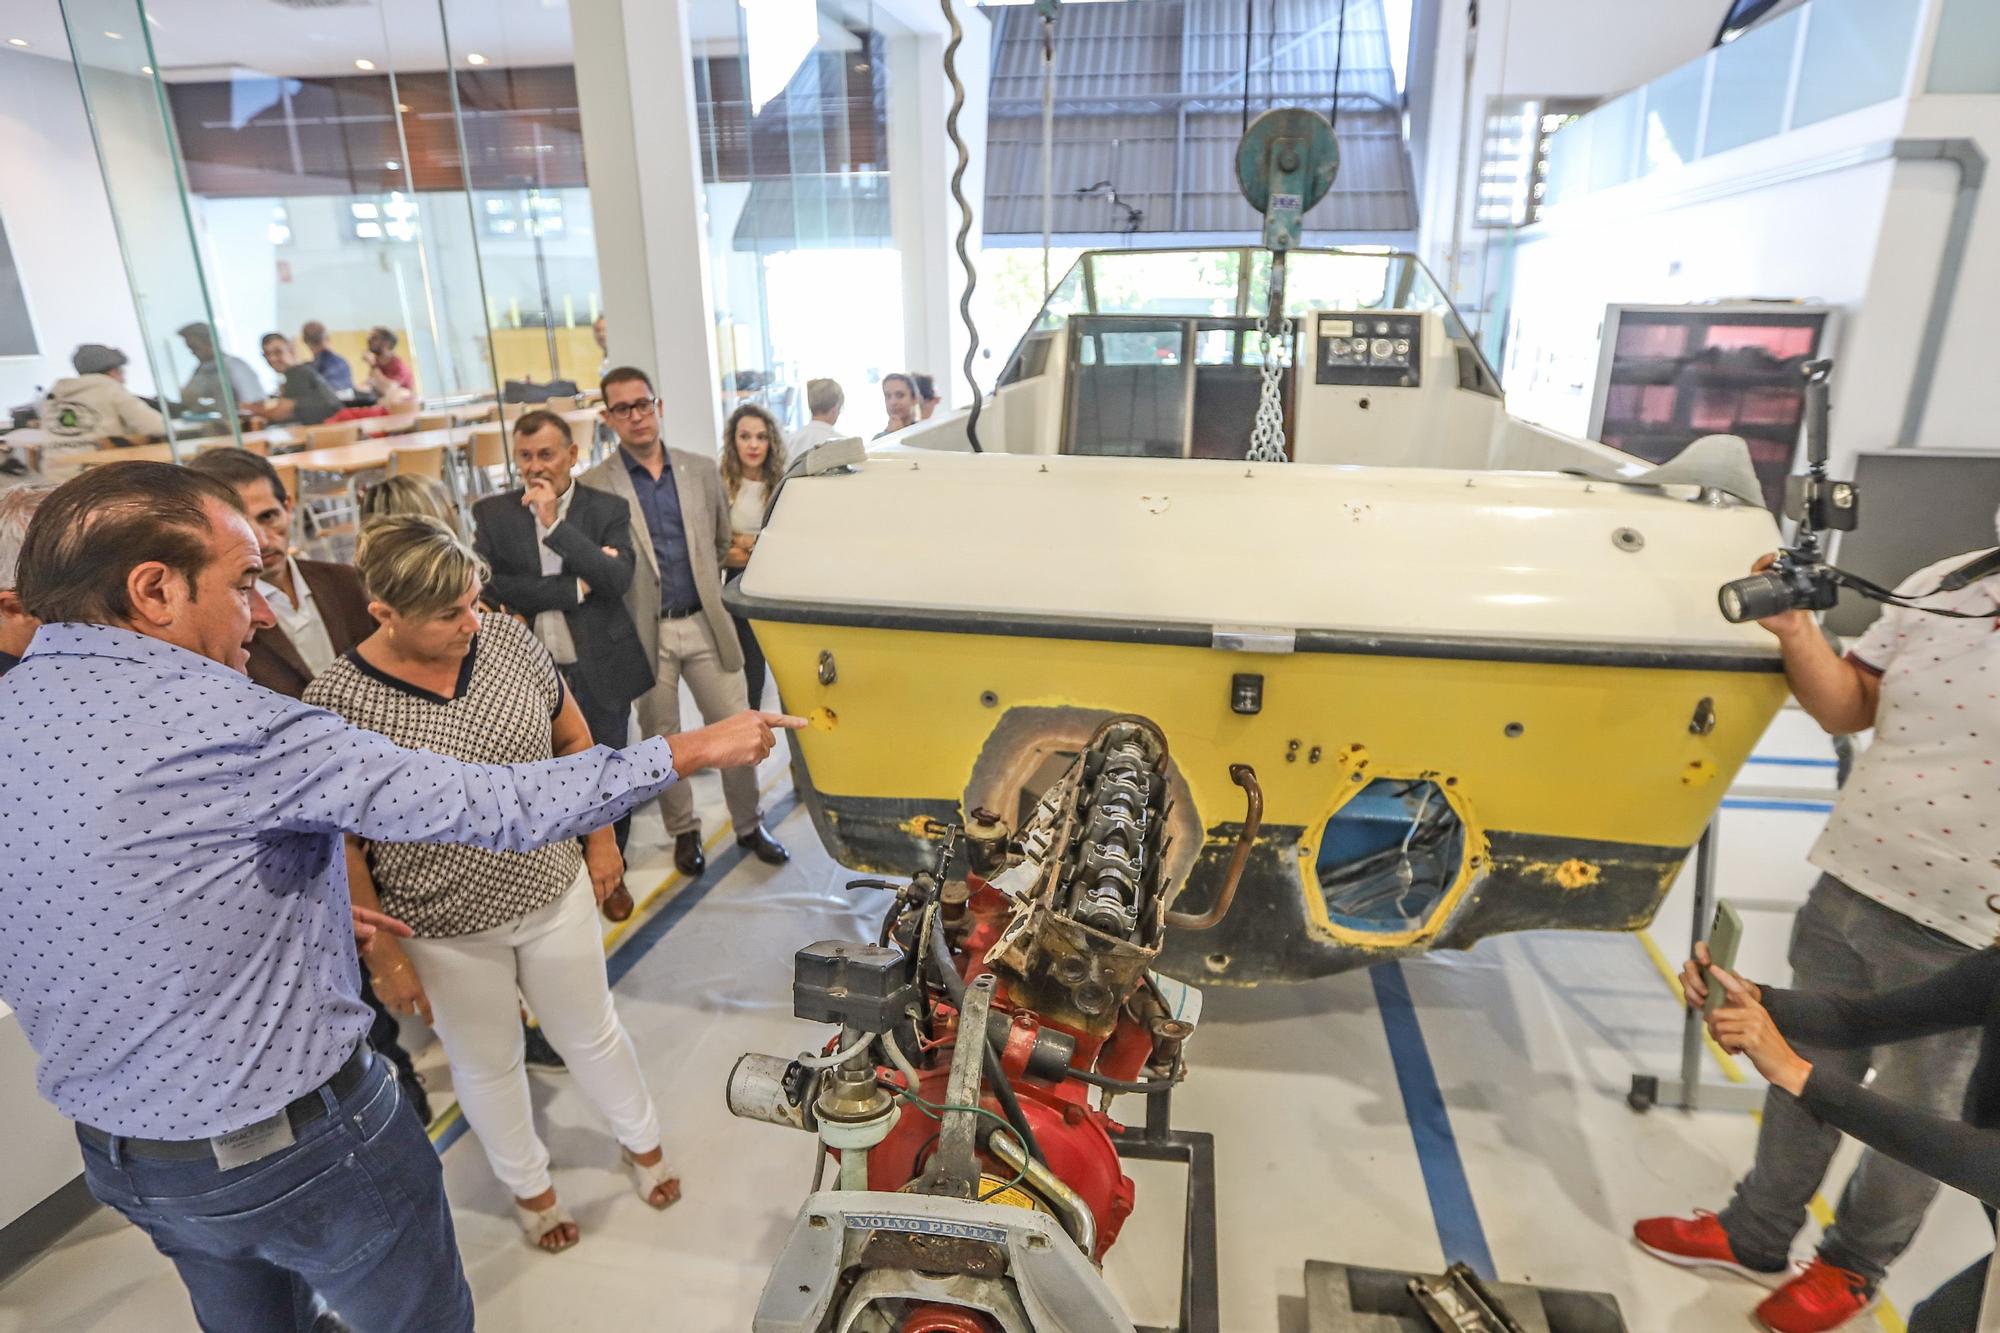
(1791, 584)
(1799, 580)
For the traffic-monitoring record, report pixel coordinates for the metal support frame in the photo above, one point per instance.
(1194, 1149)
(1689, 1092)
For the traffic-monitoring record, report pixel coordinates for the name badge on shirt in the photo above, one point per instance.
(252, 1143)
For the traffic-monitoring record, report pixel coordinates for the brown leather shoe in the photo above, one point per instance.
(688, 857)
(764, 847)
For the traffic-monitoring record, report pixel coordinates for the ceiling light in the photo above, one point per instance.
(17, 41)
(364, 64)
(145, 69)
(474, 58)
(392, 166)
(403, 107)
(114, 36)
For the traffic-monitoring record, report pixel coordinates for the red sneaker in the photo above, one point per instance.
(1819, 1298)
(1696, 1242)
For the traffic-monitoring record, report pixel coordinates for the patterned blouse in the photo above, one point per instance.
(507, 695)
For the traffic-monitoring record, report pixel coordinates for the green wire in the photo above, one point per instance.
(936, 1111)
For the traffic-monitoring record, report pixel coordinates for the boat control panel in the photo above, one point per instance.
(1370, 347)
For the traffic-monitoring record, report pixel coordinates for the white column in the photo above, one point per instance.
(924, 219)
(636, 94)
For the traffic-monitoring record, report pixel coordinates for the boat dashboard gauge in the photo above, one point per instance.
(1382, 348)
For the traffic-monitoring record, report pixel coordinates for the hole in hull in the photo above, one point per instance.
(1389, 856)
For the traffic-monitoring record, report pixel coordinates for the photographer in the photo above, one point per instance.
(1909, 857)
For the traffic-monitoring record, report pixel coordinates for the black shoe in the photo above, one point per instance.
(765, 847)
(688, 857)
(541, 1055)
(413, 1092)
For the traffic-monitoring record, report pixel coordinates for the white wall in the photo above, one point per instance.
(59, 224)
(1960, 414)
(1554, 48)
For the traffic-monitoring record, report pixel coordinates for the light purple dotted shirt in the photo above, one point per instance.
(174, 928)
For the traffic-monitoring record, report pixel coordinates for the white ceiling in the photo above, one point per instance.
(197, 39)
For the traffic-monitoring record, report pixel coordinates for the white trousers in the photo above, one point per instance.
(555, 956)
(687, 652)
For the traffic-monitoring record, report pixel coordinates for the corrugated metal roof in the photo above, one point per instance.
(1149, 105)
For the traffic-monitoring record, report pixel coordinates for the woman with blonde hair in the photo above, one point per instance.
(438, 674)
(409, 494)
(753, 459)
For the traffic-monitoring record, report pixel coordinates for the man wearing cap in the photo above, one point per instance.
(203, 391)
(95, 404)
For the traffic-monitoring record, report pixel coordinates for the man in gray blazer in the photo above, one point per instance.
(680, 524)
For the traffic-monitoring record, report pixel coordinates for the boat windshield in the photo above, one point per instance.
(1236, 281)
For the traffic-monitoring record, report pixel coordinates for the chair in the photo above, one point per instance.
(427, 461)
(489, 459)
(435, 421)
(333, 437)
(562, 404)
(288, 477)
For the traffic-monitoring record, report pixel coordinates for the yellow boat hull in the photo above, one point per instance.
(1580, 787)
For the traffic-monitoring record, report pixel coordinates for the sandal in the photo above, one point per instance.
(537, 1223)
(647, 1180)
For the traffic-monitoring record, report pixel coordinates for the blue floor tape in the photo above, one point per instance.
(1792, 761)
(672, 914)
(1457, 1217)
(1806, 807)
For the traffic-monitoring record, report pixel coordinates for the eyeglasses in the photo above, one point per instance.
(633, 408)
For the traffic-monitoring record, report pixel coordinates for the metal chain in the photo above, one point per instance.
(1267, 437)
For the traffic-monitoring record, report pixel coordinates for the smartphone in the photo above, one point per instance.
(1725, 937)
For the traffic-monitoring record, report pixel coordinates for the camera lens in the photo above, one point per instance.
(1754, 598)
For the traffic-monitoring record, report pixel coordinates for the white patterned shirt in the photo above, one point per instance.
(1917, 827)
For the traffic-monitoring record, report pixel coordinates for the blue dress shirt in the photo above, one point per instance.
(660, 502)
(333, 368)
(174, 927)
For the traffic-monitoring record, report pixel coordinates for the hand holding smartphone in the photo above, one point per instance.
(1725, 937)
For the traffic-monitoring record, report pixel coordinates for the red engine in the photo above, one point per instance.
(972, 1036)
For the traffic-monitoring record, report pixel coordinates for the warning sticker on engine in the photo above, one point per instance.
(927, 1226)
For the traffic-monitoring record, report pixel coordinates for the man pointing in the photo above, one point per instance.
(175, 930)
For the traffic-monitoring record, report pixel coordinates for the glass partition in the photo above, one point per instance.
(1752, 73)
(199, 387)
(330, 206)
(807, 281)
(1822, 59)
(514, 88)
(1857, 54)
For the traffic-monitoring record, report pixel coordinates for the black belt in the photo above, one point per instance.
(301, 1111)
(680, 612)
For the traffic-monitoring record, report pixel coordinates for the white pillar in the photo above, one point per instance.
(924, 219)
(636, 94)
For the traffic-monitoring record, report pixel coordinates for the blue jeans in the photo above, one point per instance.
(353, 1212)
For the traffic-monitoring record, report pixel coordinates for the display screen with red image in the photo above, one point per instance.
(1677, 375)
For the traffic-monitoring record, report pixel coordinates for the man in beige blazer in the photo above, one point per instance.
(680, 525)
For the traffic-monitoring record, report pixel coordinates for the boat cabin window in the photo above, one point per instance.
(1163, 352)
(1147, 387)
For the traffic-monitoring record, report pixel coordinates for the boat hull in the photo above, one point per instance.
(1581, 779)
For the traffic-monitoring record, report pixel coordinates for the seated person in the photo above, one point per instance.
(331, 365)
(387, 372)
(203, 390)
(302, 395)
(94, 404)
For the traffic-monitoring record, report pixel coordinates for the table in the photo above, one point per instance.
(345, 460)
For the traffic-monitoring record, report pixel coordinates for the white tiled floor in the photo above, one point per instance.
(1533, 1037)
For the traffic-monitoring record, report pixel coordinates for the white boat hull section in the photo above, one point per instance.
(1369, 550)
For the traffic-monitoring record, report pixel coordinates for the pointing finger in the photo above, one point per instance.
(784, 721)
